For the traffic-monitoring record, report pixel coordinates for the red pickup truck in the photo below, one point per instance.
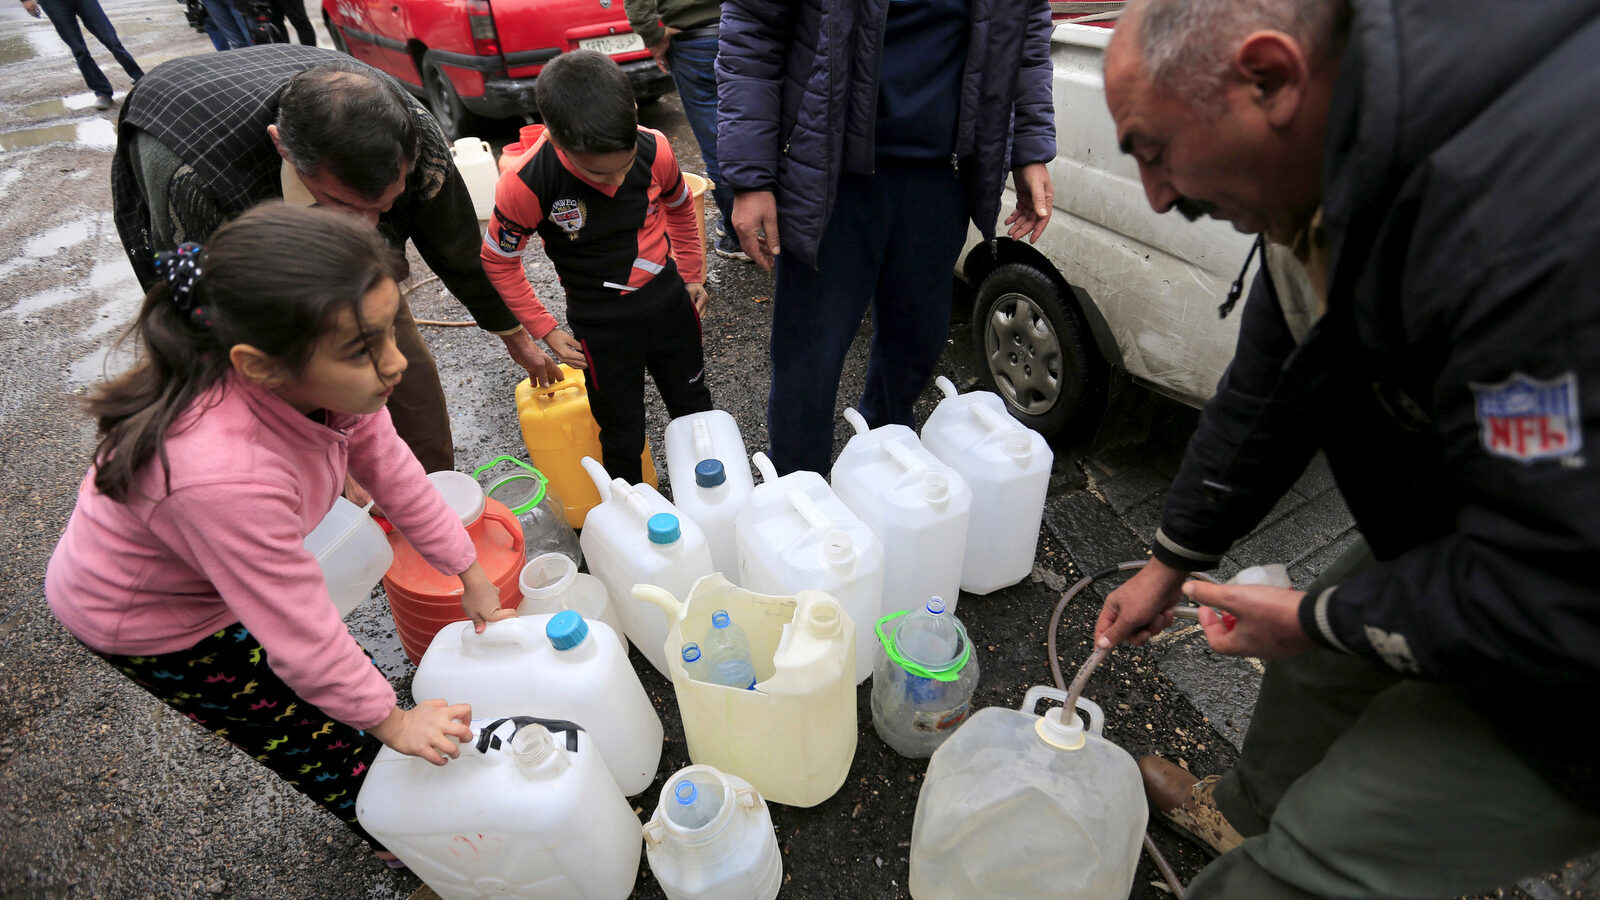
(472, 58)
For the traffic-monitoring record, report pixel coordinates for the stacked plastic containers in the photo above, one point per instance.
(552, 583)
(527, 493)
(711, 480)
(711, 838)
(922, 687)
(556, 667)
(527, 810)
(916, 505)
(794, 736)
(421, 598)
(636, 537)
(1007, 466)
(1019, 805)
(795, 534)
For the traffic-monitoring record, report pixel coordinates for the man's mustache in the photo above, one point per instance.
(1194, 209)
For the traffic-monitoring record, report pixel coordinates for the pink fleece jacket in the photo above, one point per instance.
(250, 478)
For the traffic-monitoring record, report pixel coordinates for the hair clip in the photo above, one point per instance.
(181, 268)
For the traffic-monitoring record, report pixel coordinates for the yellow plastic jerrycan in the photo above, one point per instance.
(559, 431)
(792, 735)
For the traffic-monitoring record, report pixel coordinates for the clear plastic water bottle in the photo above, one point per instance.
(922, 686)
(696, 664)
(728, 650)
(695, 802)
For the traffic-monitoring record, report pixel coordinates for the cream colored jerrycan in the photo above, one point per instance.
(793, 735)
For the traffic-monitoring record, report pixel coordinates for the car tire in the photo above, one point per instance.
(455, 120)
(1035, 351)
(335, 35)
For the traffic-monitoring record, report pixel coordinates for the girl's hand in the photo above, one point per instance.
(480, 599)
(432, 730)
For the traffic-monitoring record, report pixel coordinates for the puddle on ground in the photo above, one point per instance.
(103, 364)
(31, 44)
(60, 238)
(49, 109)
(46, 299)
(15, 49)
(100, 134)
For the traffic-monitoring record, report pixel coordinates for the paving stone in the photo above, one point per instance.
(1317, 480)
(1283, 542)
(1307, 570)
(1092, 535)
(1325, 517)
(1131, 487)
(1144, 519)
(1223, 688)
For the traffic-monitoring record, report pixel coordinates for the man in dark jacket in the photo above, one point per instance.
(870, 131)
(205, 138)
(1427, 317)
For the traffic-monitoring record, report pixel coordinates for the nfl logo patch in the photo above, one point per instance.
(1525, 419)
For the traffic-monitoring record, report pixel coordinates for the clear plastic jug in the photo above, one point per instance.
(711, 480)
(527, 493)
(795, 534)
(794, 736)
(722, 850)
(1007, 466)
(1016, 805)
(922, 687)
(916, 505)
(555, 666)
(636, 537)
(476, 163)
(552, 583)
(527, 810)
(352, 551)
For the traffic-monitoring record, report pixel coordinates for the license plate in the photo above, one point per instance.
(613, 44)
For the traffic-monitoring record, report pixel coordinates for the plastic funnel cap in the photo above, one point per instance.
(663, 528)
(691, 652)
(709, 473)
(566, 629)
(719, 619)
(685, 792)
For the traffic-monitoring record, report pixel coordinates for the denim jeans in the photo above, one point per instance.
(64, 15)
(693, 66)
(223, 26)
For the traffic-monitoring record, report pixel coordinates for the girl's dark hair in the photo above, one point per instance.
(273, 278)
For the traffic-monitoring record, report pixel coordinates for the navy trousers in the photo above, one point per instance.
(64, 15)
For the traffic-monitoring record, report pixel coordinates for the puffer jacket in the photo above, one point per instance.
(797, 88)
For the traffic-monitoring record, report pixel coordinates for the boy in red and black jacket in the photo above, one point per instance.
(617, 219)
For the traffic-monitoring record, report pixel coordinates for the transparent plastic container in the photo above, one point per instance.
(700, 850)
(551, 583)
(727, 652)
(711, 479)
(922, 687)
(1016, 805)
(527, 493)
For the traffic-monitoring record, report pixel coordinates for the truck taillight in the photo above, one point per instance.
(485, 42)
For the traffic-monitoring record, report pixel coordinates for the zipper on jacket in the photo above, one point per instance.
(955, 163)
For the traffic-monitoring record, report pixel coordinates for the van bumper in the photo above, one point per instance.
(507, 98)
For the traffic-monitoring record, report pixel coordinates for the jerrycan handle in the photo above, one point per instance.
(565, 384)
(769, 472)
(510, 459)
(945, 386)
(950, 672)
(598, 474)
(488, 740)
(856, 420)
(649, 593)
(808, 510)
(993, 420)
(511, 632)
(702, 439)
(508, 523)
(1030, 702)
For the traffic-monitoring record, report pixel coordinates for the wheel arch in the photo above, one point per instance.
(987, 256)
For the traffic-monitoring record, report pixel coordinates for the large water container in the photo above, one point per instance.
(551, 583)
(1016, 805)
(916, 505)
(922, 687)
(528, 494)
(636, 537)
(795, 535)
(527, 810)
(1007, 466)
(559, 430)
(711, 481)
(792, 737)
(554, 666)
(711, 838)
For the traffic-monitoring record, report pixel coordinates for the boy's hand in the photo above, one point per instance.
(697, 293)
(541, 369)
(480, 599)
(566, 349)
(432, 730)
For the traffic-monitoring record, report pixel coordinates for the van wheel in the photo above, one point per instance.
(335, 35)
(454, 118)
(1036, 350)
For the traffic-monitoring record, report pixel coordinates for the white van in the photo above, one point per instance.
(1111, 285)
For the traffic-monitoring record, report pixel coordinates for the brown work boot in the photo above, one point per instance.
(1186, 802)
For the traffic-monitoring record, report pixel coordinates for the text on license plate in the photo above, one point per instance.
(613, 43)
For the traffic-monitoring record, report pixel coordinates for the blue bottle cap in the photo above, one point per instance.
(691, 652)
(566, 629)
(719, 619)
(685, 792)
(663, 528)
(709, 473)
(935, 605)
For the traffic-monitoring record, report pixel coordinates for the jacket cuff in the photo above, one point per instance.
(1315, 623)
(1179, 556)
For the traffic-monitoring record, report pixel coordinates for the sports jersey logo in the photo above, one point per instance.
(569, 214)
(508, 240)
(1525, 419)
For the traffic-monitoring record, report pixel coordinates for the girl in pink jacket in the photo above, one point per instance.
(267, 358)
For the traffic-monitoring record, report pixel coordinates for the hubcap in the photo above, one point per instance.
(1024, 354)
(438, 92)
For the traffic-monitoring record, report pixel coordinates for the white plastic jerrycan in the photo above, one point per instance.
(353, 552)
(1016, 805)
(635, 536)
(711, 480)
(793, 735)
(1007, 466)
(711, 838)
(916, 505)
(479, 170)
(795, 534)
(551, 583)
(557, 667)
(527, 810)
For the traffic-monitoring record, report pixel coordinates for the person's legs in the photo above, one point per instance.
(94, 19)
(616, 354)
(295, 12)
(693, 65)
(64, 16)
(677, 360)
(221, 15)
(418, 404)
(816, 314)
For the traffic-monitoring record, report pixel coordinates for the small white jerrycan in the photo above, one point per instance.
(527, 810)
(353, 552)
(916, 505)
(712, 839)
(795, 535)
(479, 170)
(635, 536)
(711, 480)
(555, 666)
(793, 735)
(1007, 466)
(551, 583)
(1016, 805)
